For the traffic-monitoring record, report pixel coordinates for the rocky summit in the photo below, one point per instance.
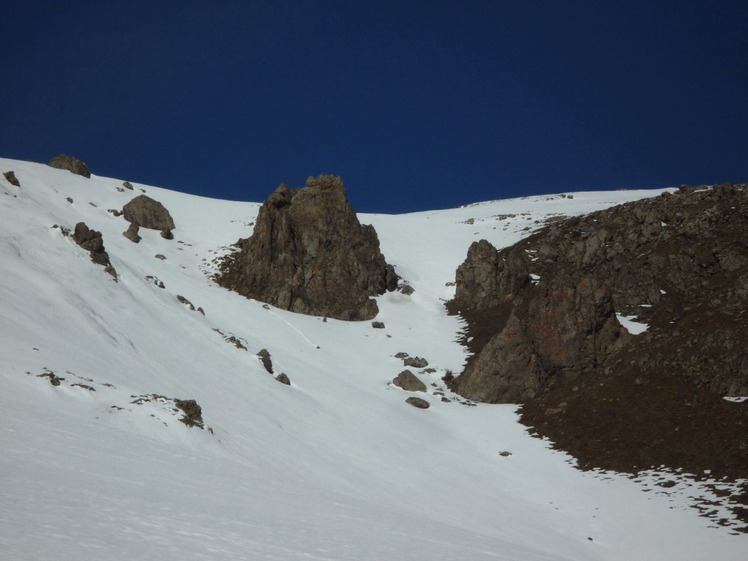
(310, 254)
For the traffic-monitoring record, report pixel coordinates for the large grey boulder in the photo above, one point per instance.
(148, 213)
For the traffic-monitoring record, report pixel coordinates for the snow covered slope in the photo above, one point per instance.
(335, 466)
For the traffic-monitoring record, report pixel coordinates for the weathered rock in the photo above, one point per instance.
(183, 300)
(409, 382)
(93, 242)
(266, 360)
(415, 362)
(148, 213)
(418, 402)
(127, 185)
(377, 325)
(12, 179)
(167, 235)
(283, 379)
(537, 323)
(407, 289)
(132, 233)
(73, 165)
(309, 254)
(193, 414)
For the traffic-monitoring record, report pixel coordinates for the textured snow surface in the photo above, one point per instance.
(335, 466)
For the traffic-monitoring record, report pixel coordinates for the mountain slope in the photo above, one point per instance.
(334, 466)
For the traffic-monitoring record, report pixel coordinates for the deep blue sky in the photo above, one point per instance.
(417, 105)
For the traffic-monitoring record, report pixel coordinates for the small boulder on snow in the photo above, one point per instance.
(132, 233)
(12, 179)
(418, 402)
(409, 382)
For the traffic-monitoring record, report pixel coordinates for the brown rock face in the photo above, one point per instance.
(73, 165)
(93, 242)
(544, 311)
(309, 254)
(544, 331)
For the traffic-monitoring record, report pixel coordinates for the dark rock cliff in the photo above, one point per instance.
(544, 330)
(543, 311)
(309, 254)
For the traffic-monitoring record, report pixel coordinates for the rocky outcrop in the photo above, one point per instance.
(73, 165)
(309, 254)
(148, 213)
(193, 413)
(93, 242)
(544, 329)
(544, 311)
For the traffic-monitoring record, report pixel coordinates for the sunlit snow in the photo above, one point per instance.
(335, 466)
(630, 324)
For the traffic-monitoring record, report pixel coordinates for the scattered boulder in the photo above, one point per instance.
(377, 325)
(409, 382)
(148, 213)
(267, 362)
(73, 165)
(183, 300)
(309, 254)
(132, 233)
(12, 179)
(193, 414)
(283, 379)
(415, 362)
(53, 378)
(93, 242)
(418, 402)
(114, 212)
(407, 289)
(127, 185)
(167, 235)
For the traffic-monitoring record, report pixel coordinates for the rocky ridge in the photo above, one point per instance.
(544, 326)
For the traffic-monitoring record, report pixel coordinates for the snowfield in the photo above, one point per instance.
(335, 466)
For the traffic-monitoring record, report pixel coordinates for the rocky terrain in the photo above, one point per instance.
(545, 326)
(310, 254)
(165, 416)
